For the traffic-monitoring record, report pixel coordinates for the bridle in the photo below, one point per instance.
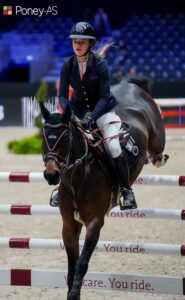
(62, 163)
(51, 154)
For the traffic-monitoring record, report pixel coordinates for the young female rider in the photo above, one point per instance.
(92, 101)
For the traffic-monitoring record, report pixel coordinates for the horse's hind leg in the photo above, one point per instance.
(156, 146)
(91, 239)
(158, 160)
(71, 232)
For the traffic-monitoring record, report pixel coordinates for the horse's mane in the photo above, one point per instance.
(143, 83)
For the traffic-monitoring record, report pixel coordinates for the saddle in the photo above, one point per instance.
(97, 147)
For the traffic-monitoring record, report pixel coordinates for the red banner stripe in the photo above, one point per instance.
(174, 125)
(172, 113)
(183, 286)
(21, 277)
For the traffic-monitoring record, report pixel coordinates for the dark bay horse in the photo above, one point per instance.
(85, 193)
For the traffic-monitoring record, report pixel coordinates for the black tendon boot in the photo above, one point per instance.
(54, 198)
(129, 201)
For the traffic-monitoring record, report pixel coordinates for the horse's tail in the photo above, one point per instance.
(143, 83)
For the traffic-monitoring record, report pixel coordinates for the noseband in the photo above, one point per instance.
(63, 163)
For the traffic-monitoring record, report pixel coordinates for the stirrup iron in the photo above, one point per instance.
(54, 198)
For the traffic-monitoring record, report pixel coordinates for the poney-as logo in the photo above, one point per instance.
(7, 10)
(29, 11)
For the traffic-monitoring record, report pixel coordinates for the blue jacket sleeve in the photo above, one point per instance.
(64, 86)
(104, 91)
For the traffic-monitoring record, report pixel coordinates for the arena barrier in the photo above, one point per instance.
(139, 213)
(30, 109)
(104, 281)
(172, 180)
(103, 246)
(172, 111)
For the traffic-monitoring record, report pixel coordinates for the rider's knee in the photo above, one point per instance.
(114, 148)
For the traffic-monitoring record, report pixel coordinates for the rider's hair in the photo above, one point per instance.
(102, 51)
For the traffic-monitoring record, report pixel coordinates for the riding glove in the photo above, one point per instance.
(87, 123)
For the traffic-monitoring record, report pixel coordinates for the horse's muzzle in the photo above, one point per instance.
(52, 177)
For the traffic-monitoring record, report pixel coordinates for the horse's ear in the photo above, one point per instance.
(67, 114)
(44, 111)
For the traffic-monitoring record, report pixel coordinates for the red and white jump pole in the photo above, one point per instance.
(140, 213)
(103, 246)
(172, 180)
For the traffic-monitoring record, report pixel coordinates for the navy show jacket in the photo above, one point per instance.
(92, 93)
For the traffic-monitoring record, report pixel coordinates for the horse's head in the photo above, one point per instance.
(56, 143)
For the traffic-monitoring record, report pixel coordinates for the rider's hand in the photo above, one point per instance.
(87, 123)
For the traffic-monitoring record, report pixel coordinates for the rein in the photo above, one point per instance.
(78, 161)
(101, 139)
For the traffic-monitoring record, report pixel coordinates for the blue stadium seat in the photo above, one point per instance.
(155, 44)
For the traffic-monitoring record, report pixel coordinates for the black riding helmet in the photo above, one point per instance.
(83, 30)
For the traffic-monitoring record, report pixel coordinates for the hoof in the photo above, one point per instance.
(162, 161)
(148, 159)
(166, 156)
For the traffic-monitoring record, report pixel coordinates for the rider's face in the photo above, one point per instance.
(80, 47)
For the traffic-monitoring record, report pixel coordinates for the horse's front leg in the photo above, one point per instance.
(71, 232)
(91, 239)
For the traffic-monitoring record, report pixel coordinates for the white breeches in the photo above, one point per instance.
(109, 130)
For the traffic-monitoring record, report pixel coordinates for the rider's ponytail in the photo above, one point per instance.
(102, 51)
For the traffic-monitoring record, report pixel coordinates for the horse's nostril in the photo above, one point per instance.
(52, 177)
(46, 174)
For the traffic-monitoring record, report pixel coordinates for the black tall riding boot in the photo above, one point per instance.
(123, 177)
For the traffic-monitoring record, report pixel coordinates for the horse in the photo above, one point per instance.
(85, 192)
